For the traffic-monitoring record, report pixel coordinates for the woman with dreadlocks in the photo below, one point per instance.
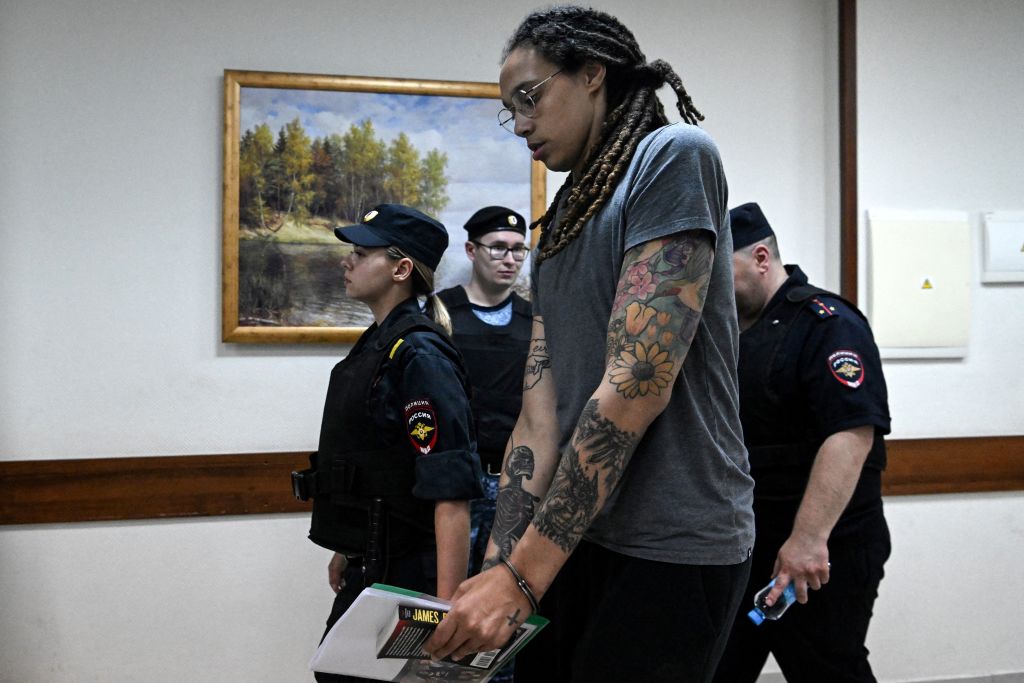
(630, 412)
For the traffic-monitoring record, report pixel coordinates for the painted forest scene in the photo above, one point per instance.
(312, 160)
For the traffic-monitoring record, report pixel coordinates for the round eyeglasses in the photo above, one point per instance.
(498, 252)
(522, 103)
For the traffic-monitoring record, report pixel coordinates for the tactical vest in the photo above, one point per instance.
(355, 463)
(495, 358)
(779, 433)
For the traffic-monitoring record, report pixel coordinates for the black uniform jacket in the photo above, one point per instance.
(809, 368)
(396, 426)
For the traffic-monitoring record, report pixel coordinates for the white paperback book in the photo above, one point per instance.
(351, 646)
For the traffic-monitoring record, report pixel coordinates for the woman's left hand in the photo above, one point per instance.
(336, 572)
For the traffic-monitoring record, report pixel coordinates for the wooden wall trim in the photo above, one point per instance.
(848, 214)
(104, 489)
(97, 489)
(964, 465)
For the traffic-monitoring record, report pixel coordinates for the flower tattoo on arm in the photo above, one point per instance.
(657, 311)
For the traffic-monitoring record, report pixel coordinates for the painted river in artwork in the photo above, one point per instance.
(295, 285)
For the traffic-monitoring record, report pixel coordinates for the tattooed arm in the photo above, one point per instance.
(489, 606)
(531, 454)
(658, 305)
(659, 300)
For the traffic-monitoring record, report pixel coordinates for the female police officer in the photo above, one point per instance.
(396, 464)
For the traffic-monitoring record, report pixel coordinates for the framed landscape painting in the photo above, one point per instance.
(305, 153)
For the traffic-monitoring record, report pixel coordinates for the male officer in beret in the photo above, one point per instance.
(814, 410)
(491, 327)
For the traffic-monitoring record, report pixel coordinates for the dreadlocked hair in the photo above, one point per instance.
(423, 286)
(569, 36)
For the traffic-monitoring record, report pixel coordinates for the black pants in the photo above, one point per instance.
(619, 618)
(822, 640)
(415, 571)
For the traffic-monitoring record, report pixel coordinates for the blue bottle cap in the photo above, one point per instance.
(755, 616)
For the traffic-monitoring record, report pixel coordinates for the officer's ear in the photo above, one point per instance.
(403, 270)
(470, 250)
(762, 256)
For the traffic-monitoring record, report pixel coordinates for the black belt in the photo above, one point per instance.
(782, 455)
(345, 477)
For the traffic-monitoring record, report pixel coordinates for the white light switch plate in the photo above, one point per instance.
(1004, 247)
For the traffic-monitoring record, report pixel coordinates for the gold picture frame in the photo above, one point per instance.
(295, 146)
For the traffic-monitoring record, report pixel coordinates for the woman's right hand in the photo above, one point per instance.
(336, 572)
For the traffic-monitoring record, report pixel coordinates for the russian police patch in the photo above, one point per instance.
(421, 425)
(847, 367)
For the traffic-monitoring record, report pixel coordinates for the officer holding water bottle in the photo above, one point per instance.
(814, 410)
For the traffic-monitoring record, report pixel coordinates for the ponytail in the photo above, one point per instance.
(439, 312)
(423, 286)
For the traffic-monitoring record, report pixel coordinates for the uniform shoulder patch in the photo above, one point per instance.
(421, 425)
(847, 367)
(821, 309)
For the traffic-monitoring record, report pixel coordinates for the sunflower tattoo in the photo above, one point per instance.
(642, 370)
(656, 312)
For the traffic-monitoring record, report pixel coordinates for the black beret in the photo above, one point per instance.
(748, 225)
(412, 231)
(491, 218)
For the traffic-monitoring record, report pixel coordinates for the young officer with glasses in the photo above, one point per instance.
(491, 328)
(630, 427)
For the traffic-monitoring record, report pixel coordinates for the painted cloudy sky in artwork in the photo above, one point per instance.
(486, 164)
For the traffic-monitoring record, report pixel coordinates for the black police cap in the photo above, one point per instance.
(748, 225)
(397, 225)
(491, 218)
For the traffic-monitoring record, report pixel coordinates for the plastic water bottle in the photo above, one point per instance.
(762, 611)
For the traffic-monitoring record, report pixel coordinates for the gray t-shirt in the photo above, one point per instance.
(686, 495)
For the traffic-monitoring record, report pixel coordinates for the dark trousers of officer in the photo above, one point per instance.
(620, 618)
(822, 640)
(415, 571)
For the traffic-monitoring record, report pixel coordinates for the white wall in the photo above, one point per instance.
(111, 133)
(220, 599)
(940, 104)
(110, 126)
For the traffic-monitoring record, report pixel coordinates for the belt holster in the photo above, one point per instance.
(372, 560)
